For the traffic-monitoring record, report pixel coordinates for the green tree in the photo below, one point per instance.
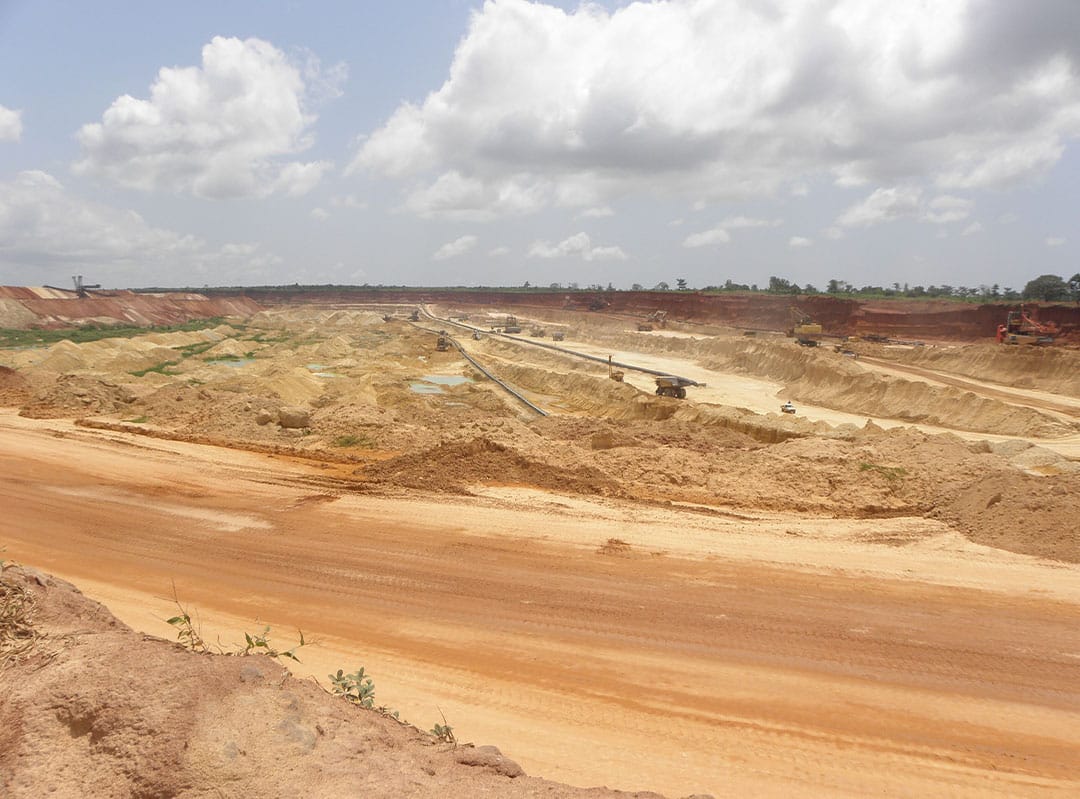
(778, 285)
(680, 283)
(1074, 287)
(1047, 288)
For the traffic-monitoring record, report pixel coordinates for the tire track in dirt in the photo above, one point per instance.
(773, 679)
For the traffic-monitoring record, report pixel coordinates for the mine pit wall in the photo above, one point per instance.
(933, 320)
(24, 307)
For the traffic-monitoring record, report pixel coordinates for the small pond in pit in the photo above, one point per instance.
(433, 383)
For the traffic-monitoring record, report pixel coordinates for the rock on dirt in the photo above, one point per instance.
(94, 709)
(293, 418)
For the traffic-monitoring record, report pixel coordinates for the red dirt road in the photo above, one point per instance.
(649, 668)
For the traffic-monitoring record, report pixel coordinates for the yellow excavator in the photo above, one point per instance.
(803, 329)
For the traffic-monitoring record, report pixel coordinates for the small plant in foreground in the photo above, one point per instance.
(188, 633)
(260, 642)
(444, 732)
(357, 688)
(888, 472)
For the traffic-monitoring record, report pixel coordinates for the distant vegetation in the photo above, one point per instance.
(80, 335)
(1045, 288)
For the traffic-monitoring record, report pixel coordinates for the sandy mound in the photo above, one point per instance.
(454, 466)
(14, 388)
(94, 709)
(1026, 514)
(76, 395)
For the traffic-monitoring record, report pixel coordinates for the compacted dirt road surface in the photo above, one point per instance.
(594, 641)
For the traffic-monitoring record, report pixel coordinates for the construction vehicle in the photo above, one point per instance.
(674, 386)
(442, 343)
(537, 332)
(804, 330)
(787, 407)
(558, 335)
(612, 372)
(81, 289)
(1021, 328)
(644, 327)
(415, 315)
(657, 318)
(511, 325)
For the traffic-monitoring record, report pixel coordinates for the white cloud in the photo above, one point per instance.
(734, 222)
(454, 248)
(10, 124)
(42, 225)
(319, 214)
(577, 245)
(1054, 241)
(597, 212)
(947, 208)
(662, 97)
(347, 201)
(495, 252)
(797, 242)
(716, 235)
(883, 205)
(223, 129)
(972, 229)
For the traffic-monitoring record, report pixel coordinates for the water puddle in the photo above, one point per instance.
(446, 380)
(425, 388)
(433, 384)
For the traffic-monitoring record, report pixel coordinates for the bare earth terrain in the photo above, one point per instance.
(877, 595)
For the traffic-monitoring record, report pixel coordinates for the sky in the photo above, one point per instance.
(445, 142)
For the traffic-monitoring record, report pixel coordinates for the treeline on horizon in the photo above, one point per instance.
(1044, 288)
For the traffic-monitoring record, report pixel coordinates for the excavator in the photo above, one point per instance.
(655, 319)
(1021, 328)
(803, 328)
(82, 289)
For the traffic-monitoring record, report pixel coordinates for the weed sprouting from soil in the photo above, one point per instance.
(260, 643)
(353, 441)
(189, 632)
(359, 689)
(888, 472)
(444, 732)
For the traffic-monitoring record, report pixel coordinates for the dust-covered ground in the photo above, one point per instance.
(834, 602)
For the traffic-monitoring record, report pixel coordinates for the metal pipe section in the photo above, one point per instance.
(505, 386)
(686, 381)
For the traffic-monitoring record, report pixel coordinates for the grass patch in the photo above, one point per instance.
(353, 441)
(95, 332)
(189, 350)
(161, 368)
(247, 356)
(888, 472)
